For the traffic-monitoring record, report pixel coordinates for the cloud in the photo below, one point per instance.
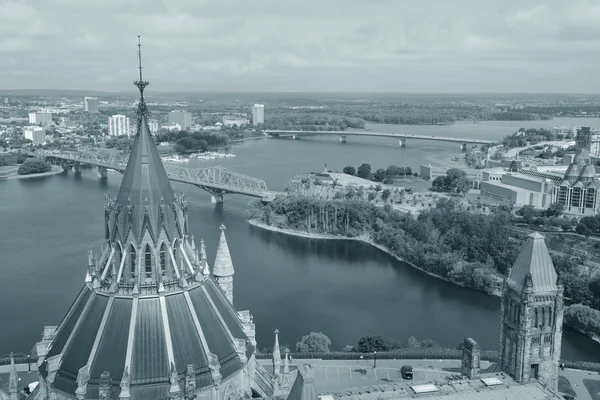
(354, 45)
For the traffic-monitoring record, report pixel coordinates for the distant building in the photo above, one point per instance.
(172, 127)
(523, 188)
(231, 121)
(578, 191)
(153, 126)
(119, 125)
(91, 104)
(429, 172)
(181, 117)
(583, 141)
(37, 134)
(40, 118)
(258, 114)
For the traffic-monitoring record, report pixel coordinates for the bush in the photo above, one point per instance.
(388, 181)
(583, 319)
(364, 171)
(34, 166)
(349, 170)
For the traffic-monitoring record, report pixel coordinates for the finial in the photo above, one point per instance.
(222, 227)
(141, 84)
(276, 331)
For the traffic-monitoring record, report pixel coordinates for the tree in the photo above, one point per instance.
(394, 171)
(555, 210)
(315, 342)
(349, 170)
(34, 166)
(379, 175)
(413, 343)
(528, 213)
(440, 184)
(369, 344)
(364, 171)
(385, 194)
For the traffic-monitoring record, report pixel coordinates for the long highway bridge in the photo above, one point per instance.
(216, 180)
(402, 137)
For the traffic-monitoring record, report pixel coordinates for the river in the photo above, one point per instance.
(343, 289)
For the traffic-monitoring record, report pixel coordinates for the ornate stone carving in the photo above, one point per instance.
(214, 366)
(83, 377)
(190, 381)
(105, 387)
(125, 384)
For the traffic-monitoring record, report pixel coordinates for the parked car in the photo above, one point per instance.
(406, 371)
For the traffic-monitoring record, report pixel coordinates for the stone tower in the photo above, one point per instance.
(223, 268)
(531, 316)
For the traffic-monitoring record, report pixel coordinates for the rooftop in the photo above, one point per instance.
(533, 267)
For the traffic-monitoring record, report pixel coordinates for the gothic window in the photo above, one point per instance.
(163, 260)
(576, 197)
(148, 262)
(536, 317)
(590, 194)
(132, 257)
(547, 339)
(535, 341)
(549, 316)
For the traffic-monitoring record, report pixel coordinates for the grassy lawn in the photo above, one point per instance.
(564, 386)
(593, 387)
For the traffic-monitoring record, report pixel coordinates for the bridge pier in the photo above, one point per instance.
(294, 137)
(343, 139)
(216, 196)
(463, 147)
(77, 167)
(102, 173)
(402, 142)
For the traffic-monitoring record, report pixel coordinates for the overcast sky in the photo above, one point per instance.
(309, 45)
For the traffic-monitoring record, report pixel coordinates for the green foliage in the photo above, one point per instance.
(315, 342)
(588, 226)
(369, 344)
(195, 141)
(386, 194)
(119, 143)
(455, 181)
(388, 181)
(413, 343)
(450, 242)
(394, 171)
(12, 158)
(349, 170)
(523, 137)
(583, 319)
(364, 171)
(34, 166)
(379, 175)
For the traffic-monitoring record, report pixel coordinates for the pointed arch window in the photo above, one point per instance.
(537, 317)
(163, 260)
(132, 257)
(148, 262)
(549, 316)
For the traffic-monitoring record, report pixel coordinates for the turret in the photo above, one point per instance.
(223, 268)
(276, 355)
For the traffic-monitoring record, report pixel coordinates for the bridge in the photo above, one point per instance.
(402, 137)
(215, 180)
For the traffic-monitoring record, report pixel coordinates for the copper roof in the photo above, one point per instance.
(98, 329)
(534, 259)
(589, 172)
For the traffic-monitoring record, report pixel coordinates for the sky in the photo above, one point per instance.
(455, 46)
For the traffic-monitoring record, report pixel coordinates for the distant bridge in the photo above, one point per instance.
(216, 180)
(400, 136)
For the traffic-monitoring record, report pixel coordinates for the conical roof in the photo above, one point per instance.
(582, 157)
(535, 260)
(573, 172)
(223, 264)
(588, 172)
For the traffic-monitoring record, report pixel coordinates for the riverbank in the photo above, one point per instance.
(363, 238)
(55, 170)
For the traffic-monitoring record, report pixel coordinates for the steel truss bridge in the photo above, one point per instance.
(216, 180)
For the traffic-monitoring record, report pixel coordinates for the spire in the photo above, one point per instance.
(223, 265)
(13, 380)
(286, 371)
(276, 355)
(533, 270)
(145, 186)
(203, 260)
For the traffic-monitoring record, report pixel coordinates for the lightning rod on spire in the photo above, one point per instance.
(141, 84)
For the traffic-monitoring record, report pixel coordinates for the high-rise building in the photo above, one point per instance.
(37, 134)
(181, 117)
(583, 140)
(119, 125)
(40, 118)
(531, 313)
(91, 104)
(258, 114)
(153, 125)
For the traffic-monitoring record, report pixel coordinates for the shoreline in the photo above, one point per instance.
(367, 240)
(55, 170)
(362, 238)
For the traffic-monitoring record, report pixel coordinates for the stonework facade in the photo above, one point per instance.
(532, 318)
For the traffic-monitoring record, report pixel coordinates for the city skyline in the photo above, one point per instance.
(349, 46)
